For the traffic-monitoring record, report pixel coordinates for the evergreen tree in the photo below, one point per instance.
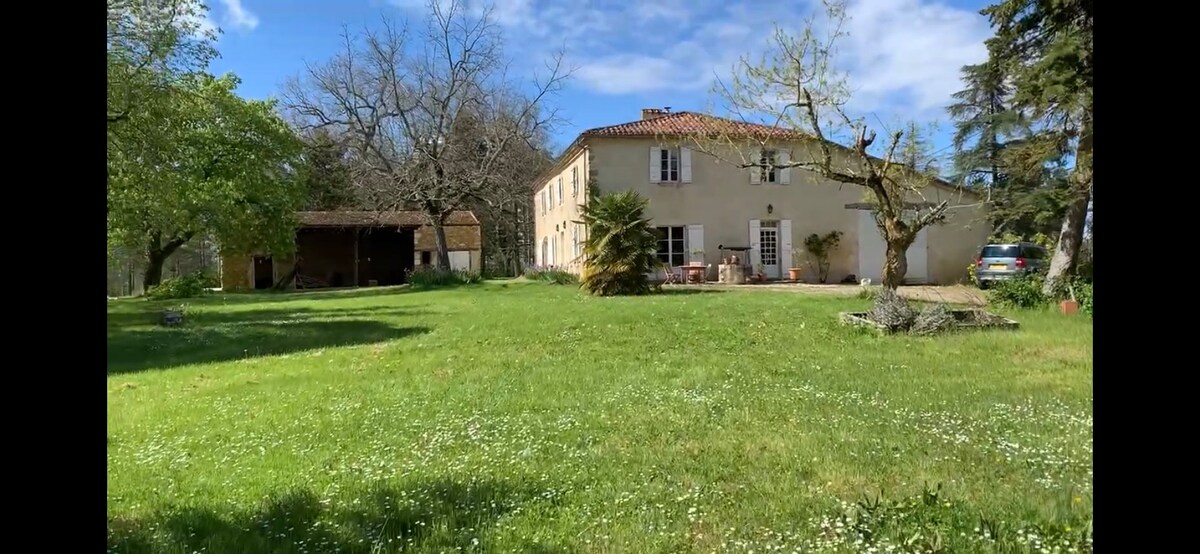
(997, 151)
(1044, 48)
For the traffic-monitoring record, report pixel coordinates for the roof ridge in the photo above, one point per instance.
(635, 121)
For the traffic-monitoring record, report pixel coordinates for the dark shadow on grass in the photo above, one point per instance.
(435, 517)
(273, 296)
(212, 315)
(145, 348)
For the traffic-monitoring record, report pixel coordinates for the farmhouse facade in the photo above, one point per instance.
(702, 205)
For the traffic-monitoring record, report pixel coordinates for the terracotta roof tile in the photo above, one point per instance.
(685, 123)
(373, 219)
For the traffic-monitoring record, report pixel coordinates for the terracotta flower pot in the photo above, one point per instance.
(794, 273)
(1069, 307)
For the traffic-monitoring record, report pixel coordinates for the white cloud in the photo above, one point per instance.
(902, 56)
(910, 48)
(238, 17)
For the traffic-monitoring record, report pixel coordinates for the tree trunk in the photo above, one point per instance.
(156, 255)
(1070, 237)
(439, 241)
(895, 264)
(152, 277)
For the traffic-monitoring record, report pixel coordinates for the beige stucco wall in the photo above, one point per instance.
(721, 198)
(558, 217)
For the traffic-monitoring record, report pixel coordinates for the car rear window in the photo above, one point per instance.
(1034, 252)
(1000, 252)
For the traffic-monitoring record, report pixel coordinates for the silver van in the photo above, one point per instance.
(1005, 261)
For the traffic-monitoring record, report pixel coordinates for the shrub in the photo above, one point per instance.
(933, 319)
(620, 245)
(892, 311)
(433, 277)
(187, 286)
(819, 247)
(1021, 292)
(551, 275)
(1083, 295)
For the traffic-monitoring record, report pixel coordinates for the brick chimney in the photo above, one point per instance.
(651, 113)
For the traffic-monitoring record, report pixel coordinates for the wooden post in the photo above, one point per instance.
(356, 232)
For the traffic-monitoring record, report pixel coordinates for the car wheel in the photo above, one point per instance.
(983, 285)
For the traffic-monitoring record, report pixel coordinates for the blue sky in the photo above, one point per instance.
(902, 56)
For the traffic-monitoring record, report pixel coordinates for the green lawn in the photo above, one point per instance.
(523, 417)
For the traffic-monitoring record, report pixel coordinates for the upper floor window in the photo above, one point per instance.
(560, 191)
(767, 172)
(668, 165)
(772, 167)
(574, 181)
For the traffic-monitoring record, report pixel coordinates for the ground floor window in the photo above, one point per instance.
(670, 245)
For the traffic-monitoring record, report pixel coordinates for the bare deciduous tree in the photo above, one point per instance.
(427, 123)
(794, 95)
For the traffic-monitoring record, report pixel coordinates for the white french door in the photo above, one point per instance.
(768, 245)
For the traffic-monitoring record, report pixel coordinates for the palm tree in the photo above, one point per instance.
(620, 246)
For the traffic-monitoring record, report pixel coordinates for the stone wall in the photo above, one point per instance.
(235, 273)
(458, 237)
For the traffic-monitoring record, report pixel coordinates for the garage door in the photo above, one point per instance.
(872, 249)
(460, 260)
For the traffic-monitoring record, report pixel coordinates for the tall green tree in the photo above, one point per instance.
(325, 173)
(1044, 47)
(999, 152)
(152, 46)
(620, 246)
(222, 166)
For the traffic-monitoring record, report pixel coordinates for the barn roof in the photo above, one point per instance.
(378, 218)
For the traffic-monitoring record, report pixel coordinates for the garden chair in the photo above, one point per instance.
(672, 279)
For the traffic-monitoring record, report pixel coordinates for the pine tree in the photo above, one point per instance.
(997, 150)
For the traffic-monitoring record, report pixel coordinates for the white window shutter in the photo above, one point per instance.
(560, 192)
(755, 175)
(685, 165)
(785, 243)
(655, 164)
(785, 174)
(755, 237)
(695, 241)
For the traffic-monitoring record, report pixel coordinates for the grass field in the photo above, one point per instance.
(521, 417)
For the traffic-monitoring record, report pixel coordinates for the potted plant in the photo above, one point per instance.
(761, 273)
(1069, 306)
(794, 272)
(699, 253)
